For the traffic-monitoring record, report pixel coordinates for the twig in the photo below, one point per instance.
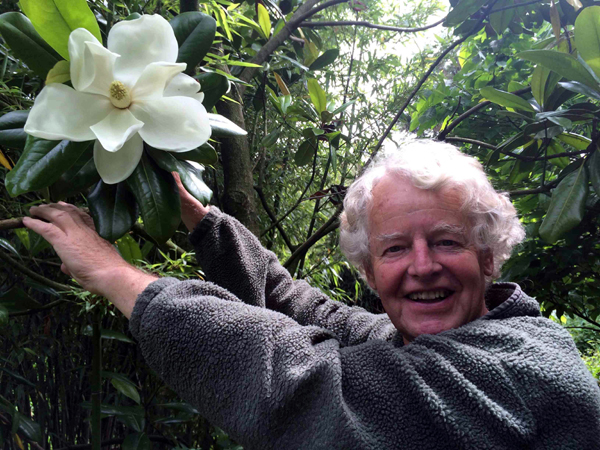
(362, 23)
(416, 89)
(263, 200)
(516, 5)
(114, 441)
(36, 310)
(31, 274)
(10, 224)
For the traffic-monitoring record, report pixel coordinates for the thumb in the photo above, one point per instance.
(183, 193)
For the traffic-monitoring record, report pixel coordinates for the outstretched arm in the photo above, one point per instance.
(88, 258)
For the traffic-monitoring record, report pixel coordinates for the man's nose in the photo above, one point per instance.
(423, 263)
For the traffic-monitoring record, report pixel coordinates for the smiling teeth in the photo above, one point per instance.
(429, 295)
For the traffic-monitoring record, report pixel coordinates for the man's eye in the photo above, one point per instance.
(447, 243)
(394, 249)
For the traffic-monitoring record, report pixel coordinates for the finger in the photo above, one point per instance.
(183, 193)
(47, 230)
(57, 214)
(65, 270)
(78, 214)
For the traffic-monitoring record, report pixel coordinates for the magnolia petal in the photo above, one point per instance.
(177, 124)
(116, 128)
(60, 112)
(182, 85)
(141, 42)
(153, 80)
(91, 63)
(115, 167)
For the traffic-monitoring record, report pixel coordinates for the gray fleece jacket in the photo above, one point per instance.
(278, 365)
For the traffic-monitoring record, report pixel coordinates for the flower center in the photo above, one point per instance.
(119, 95)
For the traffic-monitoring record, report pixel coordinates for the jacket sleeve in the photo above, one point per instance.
(274, 384)
(233, 258)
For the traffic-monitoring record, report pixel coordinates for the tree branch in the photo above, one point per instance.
(36, 310)
(416, 89)
(470, 112)
(36, 276)
(303, 12)
(516, 5)
(10, 224)
(282, 232)
(362, 23)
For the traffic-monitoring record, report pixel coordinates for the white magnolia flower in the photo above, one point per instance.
(133, 91)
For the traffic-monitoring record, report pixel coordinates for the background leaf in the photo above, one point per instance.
(328, 57)
(506, 99)
(214, 87)
(263, 20)
(562, 63)
(587, 36)
(12, 134)
(20, 35)
(567, 206)
(195, 32)
(205, 154)
(55, 19)
(317, 95)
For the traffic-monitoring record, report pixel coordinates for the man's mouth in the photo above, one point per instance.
(430, 296)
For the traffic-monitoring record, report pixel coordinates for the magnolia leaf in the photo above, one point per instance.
(12, 134)
(564, 64)
(205, 154)
(554, 148)
(263, 20)
(55, 19)
(580, 88)
(189, 172)
(317, 95)
(60, 73)
(195, 32)
(42, 163)
(325, 59)
(157, 196)
(223, 127)
(462, 11)
(587, 35)
(574, 140)
(543, 82)
(506, 99)
(214, 87)
(501, 20)
(127, 389)
(80, 176)
(113, 209)
(20, 35)
(282, 86)
(270, 139)
(555, 20)
(567, 206)
(594, 167)
(305, 152)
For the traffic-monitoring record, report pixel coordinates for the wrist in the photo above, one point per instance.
(121, 286)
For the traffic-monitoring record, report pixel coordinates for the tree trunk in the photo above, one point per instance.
(238, 193)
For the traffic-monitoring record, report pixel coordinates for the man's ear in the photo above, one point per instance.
(370, 276)
(487, 263)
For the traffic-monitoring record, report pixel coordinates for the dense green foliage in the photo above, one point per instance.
(519, 89)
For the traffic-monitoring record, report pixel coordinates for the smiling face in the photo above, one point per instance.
(428, 274)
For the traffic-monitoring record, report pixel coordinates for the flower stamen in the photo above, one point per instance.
(119, 95)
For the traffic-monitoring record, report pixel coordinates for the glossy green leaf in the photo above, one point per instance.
(181, 407)
(567, 206)
(270, 139)
(137, 441)
(305, 152)
(30, 429)
(205, 154)
(214, 87)
(574, 140)
(129, 249)
(80, 176)
(108, 334)
(221, 126)
(190, 173)
(543, 82)
(20, 35)
(562, 63)
(12, 134)
(317, 95)
(116, 410)
(580, 88)
(264, 20)
(55, 19)
(156, 194)
(587, 36)
(42, 163)
(500, 20)
(195, 32)
(126, 389)
(3, 316)
(506, 99)
(343, 107)
(593, 164)
(113, 209)
(327, 58)
(522, 169)
(462, 11)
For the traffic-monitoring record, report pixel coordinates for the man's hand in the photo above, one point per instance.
(192, 211)
(88, 258)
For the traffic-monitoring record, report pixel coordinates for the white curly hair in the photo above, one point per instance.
(434, 165)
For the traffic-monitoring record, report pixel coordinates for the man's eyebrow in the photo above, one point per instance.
(436, 229)
(391, 236)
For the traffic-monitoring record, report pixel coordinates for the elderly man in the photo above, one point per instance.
(457, 362)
